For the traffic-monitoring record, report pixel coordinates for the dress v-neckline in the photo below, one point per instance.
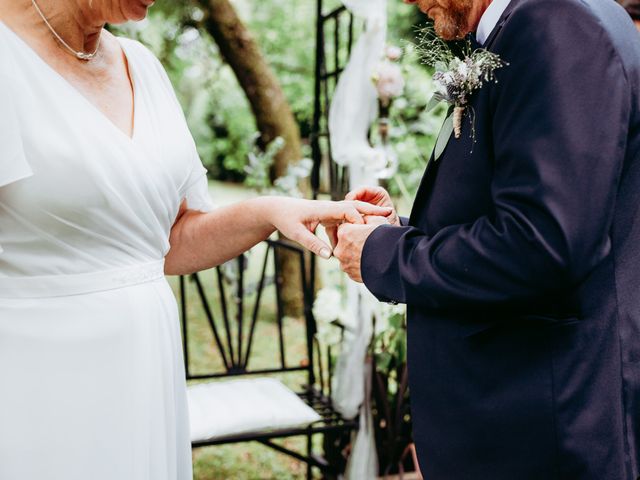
(130, 72)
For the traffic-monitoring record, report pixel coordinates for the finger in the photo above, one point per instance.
(368, 209)
(332, 233)
(312, 243)
(357, 194)
(337, 213)
(376, 220)
(350, 214)
(338, 252)
(366, 194)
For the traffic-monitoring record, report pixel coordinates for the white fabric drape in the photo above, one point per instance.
(362, 464)
(355, 102)
(353, 109)
(349, 379)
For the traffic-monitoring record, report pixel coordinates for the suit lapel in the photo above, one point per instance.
(420, 194)
(422, 189)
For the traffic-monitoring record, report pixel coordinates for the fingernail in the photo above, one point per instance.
(325, 253)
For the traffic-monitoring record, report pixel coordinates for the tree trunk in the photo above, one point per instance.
(270, 107)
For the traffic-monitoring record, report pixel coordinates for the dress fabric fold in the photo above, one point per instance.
(13, 162)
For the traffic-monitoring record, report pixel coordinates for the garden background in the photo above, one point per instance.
(243, 158)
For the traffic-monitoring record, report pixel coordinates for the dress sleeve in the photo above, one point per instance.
(13, 162)
(196, 187)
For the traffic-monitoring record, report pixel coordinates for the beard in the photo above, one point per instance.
(452, 20)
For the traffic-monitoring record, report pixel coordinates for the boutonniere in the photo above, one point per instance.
(456, 79)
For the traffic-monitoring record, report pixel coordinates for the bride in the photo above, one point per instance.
(102, 193)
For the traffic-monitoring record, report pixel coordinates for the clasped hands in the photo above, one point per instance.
(348, 224)
(348, 239)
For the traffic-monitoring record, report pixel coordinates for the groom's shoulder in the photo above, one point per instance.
(573, 27)
(569, 25)
(578, 18)
(590, 10)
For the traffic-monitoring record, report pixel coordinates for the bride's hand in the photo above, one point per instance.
(298, 219)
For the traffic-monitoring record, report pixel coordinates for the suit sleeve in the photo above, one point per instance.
(560, 122)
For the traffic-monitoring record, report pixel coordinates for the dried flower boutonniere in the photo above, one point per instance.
(456, 79)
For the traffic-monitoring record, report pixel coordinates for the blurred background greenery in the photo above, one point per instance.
(216, 108)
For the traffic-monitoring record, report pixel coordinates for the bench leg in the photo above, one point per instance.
(309, 454)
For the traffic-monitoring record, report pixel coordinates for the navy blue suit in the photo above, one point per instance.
(521, 261)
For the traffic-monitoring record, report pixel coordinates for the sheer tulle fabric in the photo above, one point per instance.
(90, 358)
(353, 108)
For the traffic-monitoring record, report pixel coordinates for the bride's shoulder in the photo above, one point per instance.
(13, 162)
(138, 52)
(3, 35)
(147, 64)
(6, 55)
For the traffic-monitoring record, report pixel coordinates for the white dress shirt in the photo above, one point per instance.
(490, 19)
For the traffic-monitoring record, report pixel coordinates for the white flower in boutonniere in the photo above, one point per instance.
(456, 79)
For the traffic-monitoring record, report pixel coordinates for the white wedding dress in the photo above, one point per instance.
(92, 384)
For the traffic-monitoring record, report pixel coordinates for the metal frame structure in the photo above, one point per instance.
(233, 335)
(331, 56)
(332, 27)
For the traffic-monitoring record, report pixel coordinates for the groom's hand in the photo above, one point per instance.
(298, 219)
(376, 196)
(350, 242)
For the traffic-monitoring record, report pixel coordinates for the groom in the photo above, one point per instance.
(520, 264)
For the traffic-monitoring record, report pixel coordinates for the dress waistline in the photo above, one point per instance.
(77, 284)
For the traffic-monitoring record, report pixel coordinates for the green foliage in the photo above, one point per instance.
(285, 31)
(413, 127)
(216, 108)
(389, 345)
(259, 164)
(259, 167)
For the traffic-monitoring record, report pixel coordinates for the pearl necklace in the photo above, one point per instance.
(79, 55)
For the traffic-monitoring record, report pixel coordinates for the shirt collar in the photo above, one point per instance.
(490, 19)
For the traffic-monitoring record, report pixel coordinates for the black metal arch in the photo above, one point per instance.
(334, 37)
